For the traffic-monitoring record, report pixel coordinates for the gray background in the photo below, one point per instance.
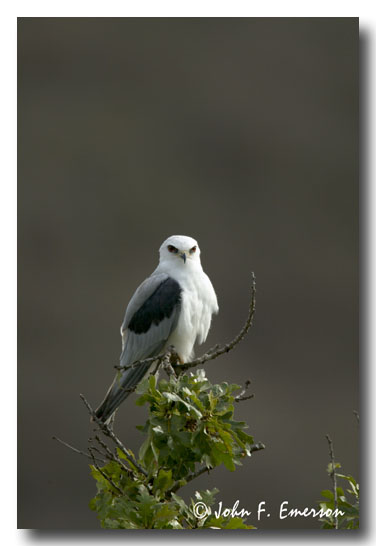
(239, 132)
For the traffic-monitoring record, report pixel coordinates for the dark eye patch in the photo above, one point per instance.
(193, 249)
(172, 248)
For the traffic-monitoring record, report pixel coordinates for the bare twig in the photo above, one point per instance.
(113, 456)
(108, 432)
(257, 447)
(165, 361)
(189, 478)
(109, 454)
(76, 450)
(105, 475)
(130, 389)
(94, 448)
(333, 475)
(213, 349)
(242, 396)
(150, 360)
(154, 372)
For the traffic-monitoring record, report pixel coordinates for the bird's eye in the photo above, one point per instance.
(193, 249)
(172, 249)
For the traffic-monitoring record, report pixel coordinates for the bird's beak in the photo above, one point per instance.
(183, 256)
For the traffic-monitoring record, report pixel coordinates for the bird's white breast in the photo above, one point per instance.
(199, 302)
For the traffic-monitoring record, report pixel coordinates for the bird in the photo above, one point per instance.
(172, 307)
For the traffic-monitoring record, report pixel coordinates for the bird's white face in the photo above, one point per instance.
(180, 249)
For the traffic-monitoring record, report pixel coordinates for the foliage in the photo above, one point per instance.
(349, 505)
(190, 430)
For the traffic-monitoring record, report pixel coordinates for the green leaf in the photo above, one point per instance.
(207, 496)
(190, 423)
(223, 457)
(328, 494)
(152, 383)
(163, 481)
(144, 447)
(332, 467)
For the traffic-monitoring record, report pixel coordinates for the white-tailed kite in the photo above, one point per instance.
(173, 306)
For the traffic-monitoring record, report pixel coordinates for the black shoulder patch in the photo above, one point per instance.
(157, 307)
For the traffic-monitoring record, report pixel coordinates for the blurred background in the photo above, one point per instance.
(242, 133)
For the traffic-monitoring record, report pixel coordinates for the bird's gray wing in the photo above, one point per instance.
(141, 295)
(151, 316)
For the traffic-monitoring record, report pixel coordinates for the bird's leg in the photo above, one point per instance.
(170, 359)
(174, 356)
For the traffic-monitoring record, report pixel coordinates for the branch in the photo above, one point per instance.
(76, 450)
(149, 360)
(108, 432)
(257, 447)
(113, 456)
(94, 448)
(105, 475)
(189, 478)
(242, 396)
(215, 352)
(334, 477)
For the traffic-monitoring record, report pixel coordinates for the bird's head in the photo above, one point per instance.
(180, 249)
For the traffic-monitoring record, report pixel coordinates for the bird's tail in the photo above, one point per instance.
(120, 389)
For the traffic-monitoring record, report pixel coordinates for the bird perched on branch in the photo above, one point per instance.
(173, 306)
